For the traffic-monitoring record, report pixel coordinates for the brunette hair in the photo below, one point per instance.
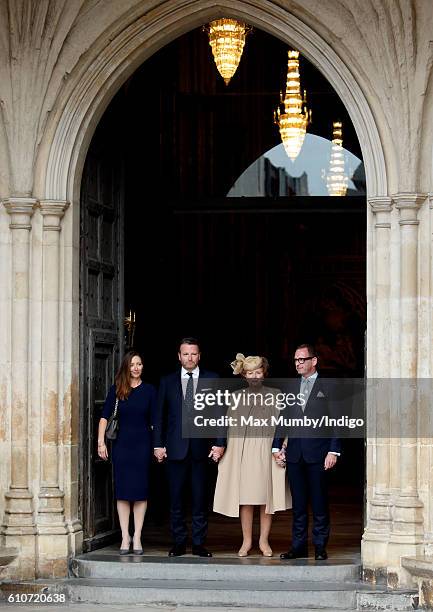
(189, 340)
(123, 376)
(310, 348)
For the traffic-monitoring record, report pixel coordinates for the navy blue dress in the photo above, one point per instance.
(133, 449)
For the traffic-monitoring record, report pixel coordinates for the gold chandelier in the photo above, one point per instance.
(336, 179)
(227, 40)
(292, 115)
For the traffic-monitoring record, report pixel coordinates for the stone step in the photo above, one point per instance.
(388, 600)
(218, 595)
(265, 594)
(161, 568)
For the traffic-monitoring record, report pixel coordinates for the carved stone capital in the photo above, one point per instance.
(380, 204)
(20, 211)
(408, 204)
(52, 212)
(381, 207)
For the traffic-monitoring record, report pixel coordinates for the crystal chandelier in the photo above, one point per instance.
(227, 39)
(336, 179)
(292, 115)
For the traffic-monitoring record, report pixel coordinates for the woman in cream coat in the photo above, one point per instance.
(248, 475)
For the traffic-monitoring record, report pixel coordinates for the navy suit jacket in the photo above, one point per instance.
(314, 449)
(167, 430)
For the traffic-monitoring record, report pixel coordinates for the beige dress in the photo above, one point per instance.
(247, 473)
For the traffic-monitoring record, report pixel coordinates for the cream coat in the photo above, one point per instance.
(251, 446)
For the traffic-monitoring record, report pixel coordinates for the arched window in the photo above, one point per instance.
(274, 174)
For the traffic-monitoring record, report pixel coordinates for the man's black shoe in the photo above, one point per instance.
(321, 554)
(201, 551)
(177, 551)
(295, 553)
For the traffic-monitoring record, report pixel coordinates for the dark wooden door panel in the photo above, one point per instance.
(101, 332)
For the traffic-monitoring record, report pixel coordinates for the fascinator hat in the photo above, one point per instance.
(242, 363)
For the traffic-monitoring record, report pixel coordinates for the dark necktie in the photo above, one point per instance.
(188, 405)
(189, 394)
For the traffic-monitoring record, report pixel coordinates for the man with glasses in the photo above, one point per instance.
(308, 459)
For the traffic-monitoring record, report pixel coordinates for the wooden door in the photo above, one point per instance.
(101, 328)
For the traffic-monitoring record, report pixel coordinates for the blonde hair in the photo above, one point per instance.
(242, 364)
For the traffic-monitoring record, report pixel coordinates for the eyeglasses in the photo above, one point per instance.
(301, 360)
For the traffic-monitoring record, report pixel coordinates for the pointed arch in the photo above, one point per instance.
(111, 60)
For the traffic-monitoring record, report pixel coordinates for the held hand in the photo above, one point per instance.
(279, 455)
(160, 454)
(280, 458)
(330, 461)
(216, 452)
(102, 450)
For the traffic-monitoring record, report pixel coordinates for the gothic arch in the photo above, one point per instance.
(110, 61)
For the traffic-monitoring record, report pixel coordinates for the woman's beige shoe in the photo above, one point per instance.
(266, 550)
(243, 551)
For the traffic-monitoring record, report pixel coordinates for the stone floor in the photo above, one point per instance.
(224, 535)
(223, 540)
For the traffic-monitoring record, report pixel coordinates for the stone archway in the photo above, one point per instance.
(88, 94)
(81, 102)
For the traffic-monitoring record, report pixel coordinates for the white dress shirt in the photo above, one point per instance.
(184, 377)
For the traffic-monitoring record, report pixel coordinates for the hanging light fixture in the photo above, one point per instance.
(292, 115)
(227, 40)
(336, 179)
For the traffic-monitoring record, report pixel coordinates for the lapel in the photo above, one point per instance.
(177, 383)
(201, 380)
(177, 387)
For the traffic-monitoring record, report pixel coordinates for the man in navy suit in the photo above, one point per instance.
(186, 457)
(308, 459)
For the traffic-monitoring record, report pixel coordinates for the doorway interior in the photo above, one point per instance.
(257, 273)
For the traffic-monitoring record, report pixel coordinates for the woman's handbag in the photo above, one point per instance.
(113, 424)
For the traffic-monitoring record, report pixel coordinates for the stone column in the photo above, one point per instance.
(18, 523)
(52, 539)
(376, 534)
(407, 530)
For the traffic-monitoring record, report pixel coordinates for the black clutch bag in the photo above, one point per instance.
(113, 424)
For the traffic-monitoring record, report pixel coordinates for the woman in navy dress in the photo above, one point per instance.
(132, 450)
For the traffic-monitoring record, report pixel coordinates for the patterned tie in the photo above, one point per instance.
(188, 405)
(305, 391)
(189, 394)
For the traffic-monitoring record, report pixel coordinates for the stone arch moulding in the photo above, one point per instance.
(114, 57)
